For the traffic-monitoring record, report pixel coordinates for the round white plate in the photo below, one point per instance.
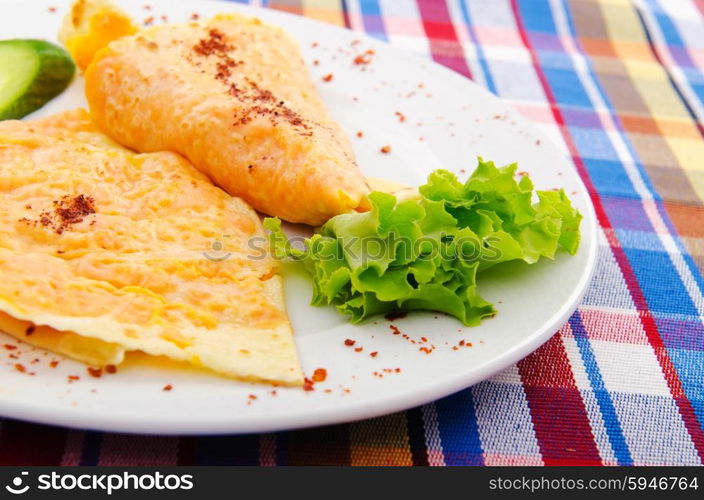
(449, 122)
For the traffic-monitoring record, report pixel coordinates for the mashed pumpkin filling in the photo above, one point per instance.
(104, 251)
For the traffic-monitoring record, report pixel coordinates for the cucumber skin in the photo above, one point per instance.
(56, 70)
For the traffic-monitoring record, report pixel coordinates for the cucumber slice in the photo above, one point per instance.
(32, 72)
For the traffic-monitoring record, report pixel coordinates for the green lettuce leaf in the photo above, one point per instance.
(429, 252)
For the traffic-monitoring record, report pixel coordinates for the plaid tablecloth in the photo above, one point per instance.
(619, 86)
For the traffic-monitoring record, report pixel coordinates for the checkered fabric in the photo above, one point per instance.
(619, 86)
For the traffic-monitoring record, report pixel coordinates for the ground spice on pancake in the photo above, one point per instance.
(255, 100)
(308, 385)
(213, 44)
(67, 211)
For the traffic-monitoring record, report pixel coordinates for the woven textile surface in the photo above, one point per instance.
(618, 85)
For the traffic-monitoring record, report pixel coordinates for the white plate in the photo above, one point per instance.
(458, 121)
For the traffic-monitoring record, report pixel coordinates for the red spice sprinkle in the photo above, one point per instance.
(167, 387)
(164, 18)
(252, 396)
(320, 374)
(327, 391)
(461, 343)
(149, 20)
(349, 342)
(373, 354)
(537, 142)
(314, 44)
(52, 9)
(66, 211)
(316, 62)
(94, 372)
(73, 378)
(401, 116)
(147, 7)
(328, 77)
(360, 134)
(20, 368)
(213, 44)
(10, 347)
(395, 329)
(308, 385)
(423, 339)
(364, 58)
(54, 364)
(224, 71)
(273, 392)
(195, 16)
(385, 149)
(358, 349)
(260, 102)
(111, 369)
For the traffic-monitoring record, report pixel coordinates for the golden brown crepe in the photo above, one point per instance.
(233, 95)
(103, 251)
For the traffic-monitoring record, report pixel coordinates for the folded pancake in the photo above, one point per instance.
(233, 95)
(133, 252)
(94, 352)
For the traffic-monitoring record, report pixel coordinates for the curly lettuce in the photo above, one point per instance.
(429, 251)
